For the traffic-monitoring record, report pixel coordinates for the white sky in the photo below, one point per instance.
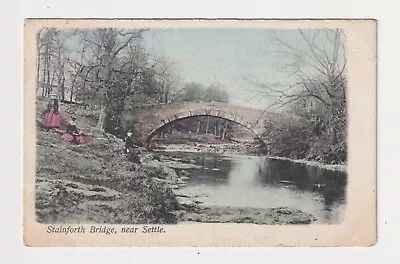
(226, 56)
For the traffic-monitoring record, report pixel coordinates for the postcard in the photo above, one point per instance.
(199, 133)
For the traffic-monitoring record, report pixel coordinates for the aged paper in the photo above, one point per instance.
(74, 72)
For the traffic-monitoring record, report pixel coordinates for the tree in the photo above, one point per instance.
(317, 66)
(166, 79)
(46, 52)
(192, 92)
(39, 45)
(216, 93)
(108, 43)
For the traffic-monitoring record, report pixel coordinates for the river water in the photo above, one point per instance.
(260, 182)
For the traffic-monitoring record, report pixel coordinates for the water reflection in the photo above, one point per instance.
(329, 186)
(248, 181)
(214, 169)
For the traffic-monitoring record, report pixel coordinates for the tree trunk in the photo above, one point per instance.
(44, 77)
(198, 126)
(107, 57)
(102, 117)
(84, 88)
(208, 121)
(48, 76)
(59, 81)
(73, 84)
(60, 74)
(51, 84)
(38, 66)
(63, 88)
(71, 94)
(223, 133)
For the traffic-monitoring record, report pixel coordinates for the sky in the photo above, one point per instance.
(232, 57)
(227, 56)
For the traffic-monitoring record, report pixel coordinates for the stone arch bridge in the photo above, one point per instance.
(148, 120)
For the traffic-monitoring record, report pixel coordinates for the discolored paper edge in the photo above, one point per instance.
(359, 225)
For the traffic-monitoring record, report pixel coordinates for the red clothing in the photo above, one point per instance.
(80, 139)
(54, 120)
(74, 136)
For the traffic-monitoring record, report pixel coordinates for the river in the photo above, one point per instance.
(260, 182)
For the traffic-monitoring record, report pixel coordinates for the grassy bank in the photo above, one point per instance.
(94, 183)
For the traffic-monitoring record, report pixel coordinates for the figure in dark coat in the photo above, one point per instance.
(130, 148)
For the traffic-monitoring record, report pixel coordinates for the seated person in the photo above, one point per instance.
(73, 134)
(71, 128)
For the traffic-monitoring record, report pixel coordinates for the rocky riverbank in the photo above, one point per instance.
(94, 183)
(243, 147)
(226, 214)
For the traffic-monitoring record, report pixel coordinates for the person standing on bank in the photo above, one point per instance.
(53, 119)
(128, 141)
(130, 148)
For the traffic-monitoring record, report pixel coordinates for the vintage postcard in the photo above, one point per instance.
(199, 133)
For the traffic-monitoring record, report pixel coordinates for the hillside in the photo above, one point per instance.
(94, 182)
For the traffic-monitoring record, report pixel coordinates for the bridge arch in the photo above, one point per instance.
(226, 115)
(148, 120)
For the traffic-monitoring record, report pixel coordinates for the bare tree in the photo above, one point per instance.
(60, 63)
(106, 44)
(46, 49)
(39, 45)
(316, 90)
(319, 70)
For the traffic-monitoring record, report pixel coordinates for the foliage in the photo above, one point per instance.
(303, 137)
(196, 92)
(104, 69)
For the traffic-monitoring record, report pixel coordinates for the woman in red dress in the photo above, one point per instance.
(53, 119)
